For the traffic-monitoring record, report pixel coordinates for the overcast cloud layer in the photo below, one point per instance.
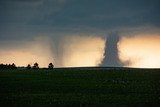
(26, 18)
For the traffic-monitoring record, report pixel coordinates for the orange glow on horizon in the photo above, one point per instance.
(81, 51)
(74, 51)
(27, 52)
(142, 51)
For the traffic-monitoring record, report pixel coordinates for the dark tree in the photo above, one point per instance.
(3, 66)
(50, 66)
(35, 66)
(28, 66)
(13, 66)
(8, 66)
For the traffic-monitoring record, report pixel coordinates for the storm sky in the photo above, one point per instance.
(80, 32)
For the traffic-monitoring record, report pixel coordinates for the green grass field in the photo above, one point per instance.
(79, 88)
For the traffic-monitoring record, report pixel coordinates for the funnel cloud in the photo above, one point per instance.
(111, 51)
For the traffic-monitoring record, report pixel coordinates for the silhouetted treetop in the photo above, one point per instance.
(50, 66)
(35, 66)
(28, 66)
(8, 66)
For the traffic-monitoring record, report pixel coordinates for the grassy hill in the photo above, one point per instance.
(80, 87)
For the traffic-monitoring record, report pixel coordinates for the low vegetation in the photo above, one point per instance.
(79, 87)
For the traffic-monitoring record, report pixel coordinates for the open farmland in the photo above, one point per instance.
(80, 87)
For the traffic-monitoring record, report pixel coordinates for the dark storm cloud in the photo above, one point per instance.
(105, 14)
(16, 17)
(82, 15)
(27, 18)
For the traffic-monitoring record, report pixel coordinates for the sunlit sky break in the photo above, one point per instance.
(76, 33)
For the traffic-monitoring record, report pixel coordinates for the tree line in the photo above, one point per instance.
(35, 66)
(8, 66)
